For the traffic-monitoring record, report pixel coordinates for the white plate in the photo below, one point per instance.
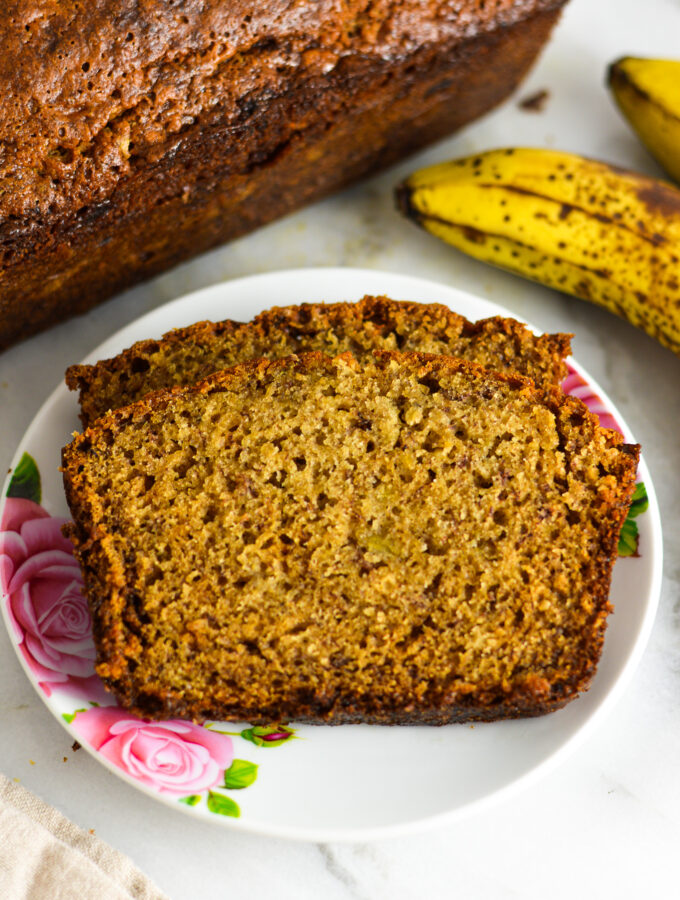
(323, 783)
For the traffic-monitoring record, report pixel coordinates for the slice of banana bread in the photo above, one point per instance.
(407, 539)
(188, 355)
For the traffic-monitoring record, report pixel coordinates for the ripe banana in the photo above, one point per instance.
(648, 94)
(583, 227)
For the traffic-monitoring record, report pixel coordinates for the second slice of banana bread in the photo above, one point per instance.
(187, 355)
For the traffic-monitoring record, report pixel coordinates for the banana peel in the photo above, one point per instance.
(583, 227)
(647, 92)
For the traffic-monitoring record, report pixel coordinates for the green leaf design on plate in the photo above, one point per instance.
(69, 717)
(191, 800)
(628, 539)
(223, 806)
(240, 774)
(640, 501)
(25, 482)
(268, 736)
(630, 536)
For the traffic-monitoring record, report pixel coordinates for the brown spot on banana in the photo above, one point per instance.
(474, 235)
(660, 198)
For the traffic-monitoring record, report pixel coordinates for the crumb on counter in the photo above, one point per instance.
(535, 102)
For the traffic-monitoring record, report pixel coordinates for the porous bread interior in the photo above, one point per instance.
(186, 356)
(324, 534)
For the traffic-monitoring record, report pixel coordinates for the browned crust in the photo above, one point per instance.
(308, 318)
(110, 217)
(106, 586)
(364, 710)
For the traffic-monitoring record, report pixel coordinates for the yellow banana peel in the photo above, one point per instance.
(648, 93)
(581, 226)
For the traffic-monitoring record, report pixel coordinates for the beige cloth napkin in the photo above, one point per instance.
(43, 856)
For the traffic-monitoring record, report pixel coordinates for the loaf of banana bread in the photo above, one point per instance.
(408, 539)
(188, 355)
(134, 135)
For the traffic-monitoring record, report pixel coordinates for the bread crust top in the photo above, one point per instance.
(95, 92)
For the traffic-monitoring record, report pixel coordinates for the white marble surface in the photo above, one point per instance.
(607, 822)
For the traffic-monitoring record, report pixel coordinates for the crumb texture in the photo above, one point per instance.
(188, 355)
(410, 539)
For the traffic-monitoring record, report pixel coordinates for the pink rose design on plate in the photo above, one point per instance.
(173, 757)
(42, 584)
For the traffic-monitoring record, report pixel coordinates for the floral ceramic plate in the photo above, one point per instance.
(317, 783)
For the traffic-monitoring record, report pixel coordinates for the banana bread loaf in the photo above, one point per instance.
(188, 355)
(410, 539)
(134, 135)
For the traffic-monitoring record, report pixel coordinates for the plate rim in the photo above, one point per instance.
(468, 808)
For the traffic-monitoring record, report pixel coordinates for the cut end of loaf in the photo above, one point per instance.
(408, 539)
